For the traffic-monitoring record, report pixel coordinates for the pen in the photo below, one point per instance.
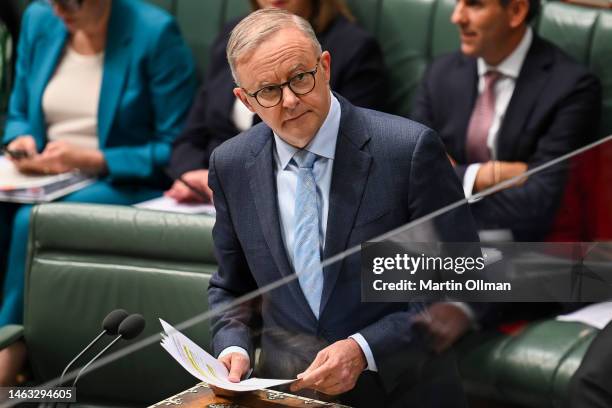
(190, 186)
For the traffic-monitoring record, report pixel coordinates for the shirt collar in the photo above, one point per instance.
(324, 142)
(512, 64)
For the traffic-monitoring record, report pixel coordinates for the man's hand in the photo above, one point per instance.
(445, 323)
(237, 364)
(60, 157)
(494, 172)
(335, 369)
(183, 194)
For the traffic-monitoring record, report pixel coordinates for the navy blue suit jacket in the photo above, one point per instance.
(387, 171)
(555, 108)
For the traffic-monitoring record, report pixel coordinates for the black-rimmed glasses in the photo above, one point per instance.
(300, 84)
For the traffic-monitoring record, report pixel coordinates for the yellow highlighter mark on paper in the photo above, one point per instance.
(212, 371)
(195, 364)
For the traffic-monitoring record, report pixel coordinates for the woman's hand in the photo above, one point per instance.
(197, 179)
(22, 143)
(60, 157)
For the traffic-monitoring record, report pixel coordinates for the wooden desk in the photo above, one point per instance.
(201, 396)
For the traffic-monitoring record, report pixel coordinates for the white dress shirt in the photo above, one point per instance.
(510, 69)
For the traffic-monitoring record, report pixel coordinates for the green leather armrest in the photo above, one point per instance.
(532, 368)
(10, 334)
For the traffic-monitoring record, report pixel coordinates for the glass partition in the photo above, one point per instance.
(543, 247)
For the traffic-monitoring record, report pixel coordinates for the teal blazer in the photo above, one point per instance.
(147, 87)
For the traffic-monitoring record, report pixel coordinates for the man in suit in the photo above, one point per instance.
(507, 102)
(319, 176)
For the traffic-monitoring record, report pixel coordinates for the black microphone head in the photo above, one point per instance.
(113, 320)
(132, 326)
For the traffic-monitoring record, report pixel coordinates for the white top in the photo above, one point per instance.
(510, 69)
(242, 116)
(70, 101)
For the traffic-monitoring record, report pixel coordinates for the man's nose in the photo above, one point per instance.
(290, 100)
(458, 16)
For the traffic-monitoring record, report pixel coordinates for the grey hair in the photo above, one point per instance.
(258, 26)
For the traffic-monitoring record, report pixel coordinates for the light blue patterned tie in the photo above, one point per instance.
(307, 247)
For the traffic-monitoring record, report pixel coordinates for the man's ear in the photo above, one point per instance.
(240, 94)
(326, 64)
(518, 10)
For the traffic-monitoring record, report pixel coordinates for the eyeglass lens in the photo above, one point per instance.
(300, 84)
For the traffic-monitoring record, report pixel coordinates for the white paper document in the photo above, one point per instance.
(205, 367)
(164, 203)
(12, 179)
(24, 188)
(597, 315)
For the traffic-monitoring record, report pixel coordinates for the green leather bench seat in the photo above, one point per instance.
(532, 368)
(405, 34)
(86, 260)
(585, 34)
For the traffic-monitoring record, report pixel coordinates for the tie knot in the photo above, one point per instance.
(305, 159)
(491, 77)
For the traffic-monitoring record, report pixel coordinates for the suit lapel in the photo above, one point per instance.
(529, 84)
(349, 178)
(263, 189)
(466, 90)
(116, 64)
(53, 45)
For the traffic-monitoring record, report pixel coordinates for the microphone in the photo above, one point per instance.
(110, 325)
(129, 328)
(112, 321)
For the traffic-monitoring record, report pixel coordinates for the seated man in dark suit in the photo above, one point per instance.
(320, 176)
(507, 102)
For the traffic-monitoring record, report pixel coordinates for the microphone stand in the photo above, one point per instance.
(77, 357)
(94, 359)
(90, 345)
